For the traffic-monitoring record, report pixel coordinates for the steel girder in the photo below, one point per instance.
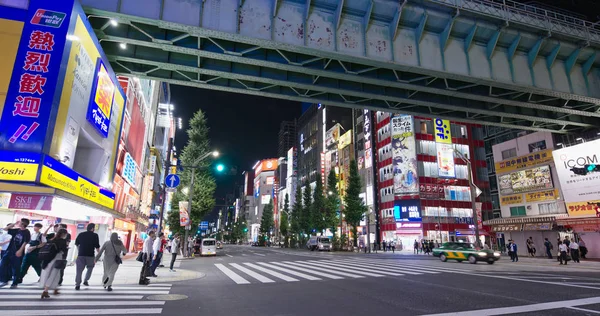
(211, 59)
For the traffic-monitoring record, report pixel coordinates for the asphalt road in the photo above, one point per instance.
(245, 280)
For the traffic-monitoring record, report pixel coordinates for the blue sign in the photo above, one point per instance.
(407, 210)
(26, 114)
(203, 225)
(129, 169)
(101, 99)
(172, 181)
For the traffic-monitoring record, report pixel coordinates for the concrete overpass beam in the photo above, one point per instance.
(512, 49)
(468, 43)
(585, 70)
(419, 35)
(445, 36)
(532, 56)
(550, 59)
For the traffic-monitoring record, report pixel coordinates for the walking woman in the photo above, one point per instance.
(53, 262)
(112, 259)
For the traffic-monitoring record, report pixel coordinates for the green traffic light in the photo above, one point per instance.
(220, 167)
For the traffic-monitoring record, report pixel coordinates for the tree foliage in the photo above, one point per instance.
(296, 215)
(204, 184)
(266, 222)
(354, 205)
(333, 203)
(318, 206)
(306, 224)
(284, 222)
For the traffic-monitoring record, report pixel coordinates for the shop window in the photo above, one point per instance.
(548, 208)
(509, 153)
(537, 146)
(518, 211)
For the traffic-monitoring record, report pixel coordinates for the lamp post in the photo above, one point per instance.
(473, 195)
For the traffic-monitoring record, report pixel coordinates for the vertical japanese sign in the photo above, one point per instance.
(184, 214)
(404, 156)
(442, 131)
(26, 113)
(367, 137)
(103, 92)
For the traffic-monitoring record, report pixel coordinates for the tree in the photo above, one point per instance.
(266, 222)
(284, 223)
(354, 205)
(296, 215)
(318, 207)
(238, 232)
(306, 224)
(333, 203)
(204, 184)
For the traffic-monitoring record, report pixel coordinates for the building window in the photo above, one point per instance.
(518, 211)
(425, 127)
(509, 153)
(548, 208)
(537, 146)
(462, 131)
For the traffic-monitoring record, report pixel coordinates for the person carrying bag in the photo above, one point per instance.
(112, 250)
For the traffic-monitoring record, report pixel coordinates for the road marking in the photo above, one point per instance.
(159, 284)
(79, 303)
(120, 311)
(93, 287)
(273, 273)
(83, 290)
(258, 254)
(359, 271)
(319, 267)
(546, 277)
(525, 308)
(232, 275)
(584, 310)
(311, 271)
(82, 297)
(403, 268)
(230, 256)
(292, 272)
(245, 255)
(378, 268)
(251, 273)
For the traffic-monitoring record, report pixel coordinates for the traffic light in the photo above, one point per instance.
(220, 167)
(245, 230)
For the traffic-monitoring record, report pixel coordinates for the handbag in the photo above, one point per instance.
(140, 257)
(118, 259)
(60, 264)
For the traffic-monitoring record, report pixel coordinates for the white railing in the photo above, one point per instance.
(531, 15)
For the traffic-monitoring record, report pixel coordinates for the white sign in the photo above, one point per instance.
(265, 199)
(408, 225)
(445, 160)
(152, 164)
(575, 187)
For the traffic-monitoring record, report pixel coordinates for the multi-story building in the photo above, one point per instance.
(287, 137)
(423, 188)
(264, 180)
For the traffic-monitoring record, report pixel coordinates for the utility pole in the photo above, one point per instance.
(473, 196)
(190, 197)
(167, 165)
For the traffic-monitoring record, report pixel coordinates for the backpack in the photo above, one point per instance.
(48, 252)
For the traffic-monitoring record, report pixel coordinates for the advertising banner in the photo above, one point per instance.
(407, 210)
(511, 199)
(28, 104)
(431, 191)
(55, 174)
(581, 191)
(478, 208)
(184, 213)
(152, 164)
(442, 131)
(538, 178)
(542, 196)
(367, 139)
(265, 165)
(445, 160)
(531, 160)
(19, 166)
(345, 140)
(30, 202)
(404, 156)
(103, 91)
(332, 136)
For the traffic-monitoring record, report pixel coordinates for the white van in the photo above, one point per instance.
(320, 243)
(208, 247)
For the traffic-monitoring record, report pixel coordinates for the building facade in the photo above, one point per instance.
(286, 137)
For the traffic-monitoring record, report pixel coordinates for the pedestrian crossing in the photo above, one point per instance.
(324, 269)
(90, 300)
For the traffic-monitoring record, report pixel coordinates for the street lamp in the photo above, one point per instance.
(473, 195)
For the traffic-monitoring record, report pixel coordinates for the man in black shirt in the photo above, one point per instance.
(13, 256)
(86, 243)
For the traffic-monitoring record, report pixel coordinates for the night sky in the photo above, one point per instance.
(243, 128)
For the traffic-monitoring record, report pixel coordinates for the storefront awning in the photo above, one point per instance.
(524, 220)
(578, 221)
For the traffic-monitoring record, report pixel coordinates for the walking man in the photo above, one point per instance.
(86, 258)
(158, 248)
(13, 255)
(574, 247)
(175, 243)
(549, 247)
(31, 252)
(147, 252)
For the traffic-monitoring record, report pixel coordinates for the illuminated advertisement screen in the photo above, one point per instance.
(445, 160)
(404, 156)
(407, 210)
(521, 181)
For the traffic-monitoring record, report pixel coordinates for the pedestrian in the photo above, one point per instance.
(190, 247)
(558, 246)
(174, 251)
(574, 247)
(147, 258)
(416, 247)
(86, 242)
(10, 266)
(393, 244)
(582, 248)
(157, 249)
(31, 252)
(549, 248)
(51, 255)
(531, 247)
(567, 242)
(384, 246)
(562, 248)
(112, 249)
(58, 227)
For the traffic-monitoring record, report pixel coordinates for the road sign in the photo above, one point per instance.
(171, 190)
(203, 225)
(172, 181)
(477, 191)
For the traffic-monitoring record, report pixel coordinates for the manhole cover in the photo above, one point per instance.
(167, 297)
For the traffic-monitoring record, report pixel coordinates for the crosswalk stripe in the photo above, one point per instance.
(94, 287)
(292, 272)
(435, 268)
(290, 265)
(361, 268)
(78, 303)
(337, 267)
(411, 266)
(24, 291)
(230, 256)
(259, 254)
(251, 273)
(321, 268)
(379, 266)
(232, 275)
(159, 284)
(273, 273)
(81, 297)
(119, 311)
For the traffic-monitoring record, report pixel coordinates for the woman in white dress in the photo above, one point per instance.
(51, 267)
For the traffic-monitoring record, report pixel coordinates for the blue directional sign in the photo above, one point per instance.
(172, 181)
(203, 225)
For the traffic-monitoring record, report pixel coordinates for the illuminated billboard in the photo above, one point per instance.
(528, 180)
(265, 165)
(445, 160)
(404, 156)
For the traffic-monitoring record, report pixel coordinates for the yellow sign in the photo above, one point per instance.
(584, 209)
(345, 140)
(105, 91)
(80, 187)
(442, 131)
(511, 199)
(18, 171)
(536, 158)
(549, 195)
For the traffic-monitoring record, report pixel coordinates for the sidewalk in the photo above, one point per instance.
(128, 273)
